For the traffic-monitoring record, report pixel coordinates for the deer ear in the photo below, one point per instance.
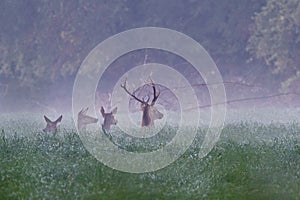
(59, 119)
(102, 111)
(47, 119)
(115, 110)
(84, 112)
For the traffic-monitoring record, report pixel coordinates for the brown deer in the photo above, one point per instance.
(150, 113)
(109, 119)
(83, 119)
(51, 126)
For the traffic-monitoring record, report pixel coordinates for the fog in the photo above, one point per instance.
(43, 45)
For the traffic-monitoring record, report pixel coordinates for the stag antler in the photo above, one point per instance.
(132, 95)
(150, 113)
(155, 96)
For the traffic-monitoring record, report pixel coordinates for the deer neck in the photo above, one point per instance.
(106, 124)
(147, 120)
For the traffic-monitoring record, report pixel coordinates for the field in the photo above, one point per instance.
(250, 161)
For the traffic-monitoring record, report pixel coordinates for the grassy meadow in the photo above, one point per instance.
(250, 161)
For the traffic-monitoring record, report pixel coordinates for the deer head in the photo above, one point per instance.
(109, 118)
(51, 126)
(150, 113)
(83, 120)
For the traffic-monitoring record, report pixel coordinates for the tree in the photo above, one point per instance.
(43, 42)
(276, 39)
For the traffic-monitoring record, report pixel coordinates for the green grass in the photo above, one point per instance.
(251, 161)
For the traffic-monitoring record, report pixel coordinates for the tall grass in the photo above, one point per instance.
(250, 161)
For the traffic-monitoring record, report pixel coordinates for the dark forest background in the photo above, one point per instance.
(43, 42)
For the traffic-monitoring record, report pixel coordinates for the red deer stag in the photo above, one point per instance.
(150, 113)
(109, 119)
(83, 119)
(51, 126)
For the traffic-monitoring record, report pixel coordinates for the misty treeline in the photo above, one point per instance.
(43, 42)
